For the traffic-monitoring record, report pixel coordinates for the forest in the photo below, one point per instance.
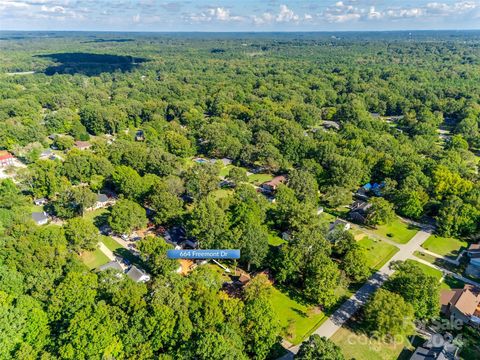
(174, 127)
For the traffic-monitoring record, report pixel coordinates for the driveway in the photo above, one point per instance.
(352, 305)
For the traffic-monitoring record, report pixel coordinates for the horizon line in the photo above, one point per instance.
(240, 31)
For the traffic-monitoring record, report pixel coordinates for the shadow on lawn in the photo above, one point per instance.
(89, 64)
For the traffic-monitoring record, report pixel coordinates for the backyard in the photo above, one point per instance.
(257, 179)
(298, 321)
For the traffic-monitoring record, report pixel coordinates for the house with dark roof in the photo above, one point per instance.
(430, 350)
(137, 275)
(359, 211)
(140, 135)
(40, 218)
(272, 185)
(462, 304)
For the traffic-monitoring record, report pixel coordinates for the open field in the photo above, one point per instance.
(397, 230)
(297, 320)
(378, 252)
(445, 246)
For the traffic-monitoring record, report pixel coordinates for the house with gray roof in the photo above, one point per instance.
(137, 275)
(40, 218)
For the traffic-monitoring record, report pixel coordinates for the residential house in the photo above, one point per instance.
(462, 304)
(40, 201)
(114, 265)
(226, 161)
(102, 201)
(339, 223)
(326, 124)
(359, 211)
(40, 218)
(82, 145)
(6, 159)
(137, 275)
(473, 249)
(430, 350)
(271, 186)
(140, 136)
(45, 154)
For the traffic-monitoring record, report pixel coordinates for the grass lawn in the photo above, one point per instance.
(297, 320)
(444, 246)
(221, 193)
(225, 170)
(378, 252)
(98, 216)
(110, 243)
(359, 346)
(397, 230)
(258, 179)
(275, 240)
(427, 269)
(94, 259)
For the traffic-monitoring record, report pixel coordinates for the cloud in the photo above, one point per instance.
(284, 15)
(214, 14)
(352, 10)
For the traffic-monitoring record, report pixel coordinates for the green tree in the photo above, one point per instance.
(166, 204)
(201, 179)
(387, 315)
(417, 288)
(237, 175)
(355, 264)
(208, 223)
(317, 347)
(261, 324)
(381, 212)
(81, 234)
(126, 216)
(154, 253)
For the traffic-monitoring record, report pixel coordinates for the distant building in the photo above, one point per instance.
(462, 304)
(271, 186)
(140, 136)
(40, 218)
(137, 275)
(46, 154)
(82, 145)
(40, 201)
(339, 223)
(6, 159)
(330, 125)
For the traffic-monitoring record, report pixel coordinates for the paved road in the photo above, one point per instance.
(351, 306)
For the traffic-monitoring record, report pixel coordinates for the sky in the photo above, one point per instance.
(240, 15)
